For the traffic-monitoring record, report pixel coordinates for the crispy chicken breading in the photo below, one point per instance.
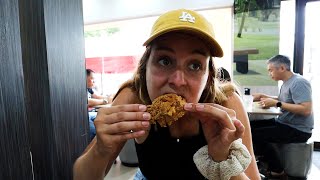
(166, 109)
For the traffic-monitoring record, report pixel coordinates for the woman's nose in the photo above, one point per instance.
(177, 78)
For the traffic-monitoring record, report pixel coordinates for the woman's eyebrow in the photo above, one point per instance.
(162, 48)
(199, 51)
(196, 51)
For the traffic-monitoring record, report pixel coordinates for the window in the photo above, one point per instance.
(113, 49)
(311, 59)
(256, 39)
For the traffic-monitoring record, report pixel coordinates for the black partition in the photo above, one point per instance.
(43, 111)
(298, 57)
(14, 142)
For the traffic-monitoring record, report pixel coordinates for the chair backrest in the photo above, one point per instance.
(223, 74)
(128, 154)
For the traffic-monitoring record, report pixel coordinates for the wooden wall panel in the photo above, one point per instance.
(67, 77)
(15, 161)
(298, 53)
(43, 103)
(54, 69)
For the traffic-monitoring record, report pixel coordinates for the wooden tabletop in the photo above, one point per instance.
(259, 113)
(247, 51)
(257, 109)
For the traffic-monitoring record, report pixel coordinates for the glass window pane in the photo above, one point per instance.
(256, 39)
(113, 49)
(311, 59)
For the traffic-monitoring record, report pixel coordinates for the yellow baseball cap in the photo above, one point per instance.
(186, 20)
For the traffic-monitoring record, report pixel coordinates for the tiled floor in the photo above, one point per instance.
(120, 172)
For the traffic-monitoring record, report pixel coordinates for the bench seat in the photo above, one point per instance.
(240, 57)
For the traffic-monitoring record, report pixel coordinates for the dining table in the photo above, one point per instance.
(257, 112)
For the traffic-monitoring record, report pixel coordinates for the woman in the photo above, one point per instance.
(178, 59)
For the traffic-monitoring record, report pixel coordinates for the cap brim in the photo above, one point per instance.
(215, 48)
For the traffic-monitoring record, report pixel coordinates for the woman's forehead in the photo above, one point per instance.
(178, 35)
(183, 39)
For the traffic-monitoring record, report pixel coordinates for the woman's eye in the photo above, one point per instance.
(195, 66)
(164, 61)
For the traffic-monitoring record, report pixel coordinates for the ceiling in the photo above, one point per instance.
(97, 11)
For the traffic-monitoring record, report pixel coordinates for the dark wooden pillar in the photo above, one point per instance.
(48, 105)
(15, 161)
(298, 56)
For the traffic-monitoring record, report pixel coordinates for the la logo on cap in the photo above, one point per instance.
(187, 17)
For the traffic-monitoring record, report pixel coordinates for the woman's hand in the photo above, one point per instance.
(116, 124)
(220, 127)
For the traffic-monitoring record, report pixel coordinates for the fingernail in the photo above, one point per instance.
(142, 107)
(145, 123)
(146, 116)
(188, 106)
(200, 107)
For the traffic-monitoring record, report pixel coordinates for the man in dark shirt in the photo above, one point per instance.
(93, 100)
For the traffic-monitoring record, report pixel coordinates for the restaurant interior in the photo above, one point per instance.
(46, 47)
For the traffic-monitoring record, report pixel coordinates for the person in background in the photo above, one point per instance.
(203, 144)
(223, 75)
(93, 100)
(296, 122)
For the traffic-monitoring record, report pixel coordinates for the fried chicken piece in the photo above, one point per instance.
(166, 109)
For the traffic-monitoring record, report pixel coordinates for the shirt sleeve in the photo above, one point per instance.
(301, 92)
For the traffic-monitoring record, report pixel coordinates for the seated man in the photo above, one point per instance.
(94, 100)
(296, 122)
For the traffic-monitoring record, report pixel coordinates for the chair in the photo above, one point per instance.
(128, 154)
(296, 158)
(223, 75)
